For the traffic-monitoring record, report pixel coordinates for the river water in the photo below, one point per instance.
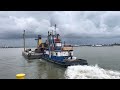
(104, 62)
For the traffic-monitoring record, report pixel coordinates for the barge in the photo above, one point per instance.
(33, 54)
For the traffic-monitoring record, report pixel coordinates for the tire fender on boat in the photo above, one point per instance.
(29, 54)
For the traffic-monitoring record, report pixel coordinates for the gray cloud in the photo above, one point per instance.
(69, 23)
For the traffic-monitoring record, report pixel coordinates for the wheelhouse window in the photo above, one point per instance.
(56, 54)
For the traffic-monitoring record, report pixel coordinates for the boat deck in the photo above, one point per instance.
(33, 55)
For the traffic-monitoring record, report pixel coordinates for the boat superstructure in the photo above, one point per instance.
(60, 53)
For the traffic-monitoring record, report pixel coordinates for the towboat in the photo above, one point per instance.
(59, 53)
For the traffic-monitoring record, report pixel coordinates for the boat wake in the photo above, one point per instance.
(90, 72)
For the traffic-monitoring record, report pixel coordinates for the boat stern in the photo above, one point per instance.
(76, 62)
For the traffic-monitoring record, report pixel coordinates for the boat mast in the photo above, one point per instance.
(24, 39)
(55, 29)
(49, 43)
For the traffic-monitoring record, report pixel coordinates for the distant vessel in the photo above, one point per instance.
(54, 51)
(97, 45)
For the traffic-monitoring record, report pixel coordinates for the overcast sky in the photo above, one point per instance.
(69, 23)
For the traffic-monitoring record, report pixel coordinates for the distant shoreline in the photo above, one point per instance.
(99, 45)
(16, 47)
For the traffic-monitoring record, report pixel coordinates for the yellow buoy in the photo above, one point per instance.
(20, 76)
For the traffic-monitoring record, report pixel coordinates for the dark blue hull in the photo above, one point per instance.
(66, 63)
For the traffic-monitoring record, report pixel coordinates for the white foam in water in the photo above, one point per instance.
(90, 72)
